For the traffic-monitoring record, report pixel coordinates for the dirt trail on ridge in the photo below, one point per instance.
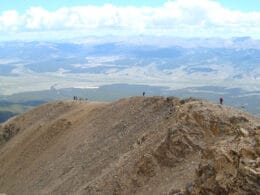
(138, 145)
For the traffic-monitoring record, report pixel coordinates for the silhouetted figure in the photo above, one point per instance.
(221, 100)
(143, 93)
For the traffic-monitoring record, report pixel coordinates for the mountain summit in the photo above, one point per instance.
(139, 145)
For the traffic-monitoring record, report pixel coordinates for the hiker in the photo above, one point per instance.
(221, 100)
(143, 93)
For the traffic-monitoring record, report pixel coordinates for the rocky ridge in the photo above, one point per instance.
(139, 145)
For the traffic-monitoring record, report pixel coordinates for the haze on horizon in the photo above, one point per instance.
(198, 48)
(67, 20)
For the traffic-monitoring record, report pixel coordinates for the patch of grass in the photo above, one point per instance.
(7, 132)
(9, 111)
(15, 108)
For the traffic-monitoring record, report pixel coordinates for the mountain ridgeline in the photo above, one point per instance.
(176, 63)
(18, 103)
(137, 145)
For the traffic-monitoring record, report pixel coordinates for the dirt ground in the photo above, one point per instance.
(139, 145)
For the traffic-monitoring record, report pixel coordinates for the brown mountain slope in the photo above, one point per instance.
(140, 145)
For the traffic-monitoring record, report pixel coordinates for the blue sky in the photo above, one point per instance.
(241, 5)
(22, 5)
(66, 19)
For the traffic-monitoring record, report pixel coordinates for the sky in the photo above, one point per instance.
(23, 5)
(68, 19)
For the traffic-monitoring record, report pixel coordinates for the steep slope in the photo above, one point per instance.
(140, 145)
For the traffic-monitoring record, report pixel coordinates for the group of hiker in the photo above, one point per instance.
(80, 99)
(221, 99)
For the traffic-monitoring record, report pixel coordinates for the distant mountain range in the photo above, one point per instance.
(179, 63)
(204, 68)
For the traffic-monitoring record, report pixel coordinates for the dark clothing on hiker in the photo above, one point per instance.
(221, 100)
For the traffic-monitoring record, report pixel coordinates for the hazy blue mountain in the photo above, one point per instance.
(5, 115)
(41, 57)
(156, 61)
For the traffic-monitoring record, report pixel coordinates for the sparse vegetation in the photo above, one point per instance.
(7, 132)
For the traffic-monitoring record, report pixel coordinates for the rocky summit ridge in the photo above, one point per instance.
(138, 145)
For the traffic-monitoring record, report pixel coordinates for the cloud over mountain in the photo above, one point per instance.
(186, 18)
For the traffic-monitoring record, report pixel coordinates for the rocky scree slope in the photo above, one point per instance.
(139, 145)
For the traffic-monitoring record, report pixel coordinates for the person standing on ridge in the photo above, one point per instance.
(221, 100)
(143, 93)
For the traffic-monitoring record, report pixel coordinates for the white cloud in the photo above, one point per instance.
(177, 18)
(9, 20)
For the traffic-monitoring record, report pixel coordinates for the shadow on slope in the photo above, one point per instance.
(139, 145)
